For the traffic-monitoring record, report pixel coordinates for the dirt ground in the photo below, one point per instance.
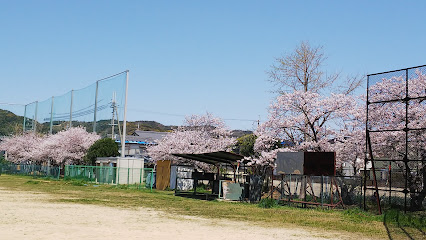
(25, 215)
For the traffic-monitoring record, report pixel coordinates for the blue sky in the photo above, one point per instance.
(189, 57)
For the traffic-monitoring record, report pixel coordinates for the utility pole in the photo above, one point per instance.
(72, 99)
(96, 107)
(114, 110)
(51, 117)
(123, 140)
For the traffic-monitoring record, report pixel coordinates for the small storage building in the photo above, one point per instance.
(120, 170)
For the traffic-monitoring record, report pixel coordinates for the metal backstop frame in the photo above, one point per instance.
(379, 98)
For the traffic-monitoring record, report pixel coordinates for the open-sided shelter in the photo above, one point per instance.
(222, 160)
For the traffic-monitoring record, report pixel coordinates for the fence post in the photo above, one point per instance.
(390, 183)
(322, 190)
(107, 174)
(101, 173)
(140, 178)
(152, 175)
(220, 187)
(118, 175)
(48, 169)
(361, 190)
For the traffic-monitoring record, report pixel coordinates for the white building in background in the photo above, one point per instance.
(137, 143)
(120, 170)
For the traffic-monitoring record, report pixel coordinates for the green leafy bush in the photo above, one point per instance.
(245, 145)
(268, 203)
(105, 147)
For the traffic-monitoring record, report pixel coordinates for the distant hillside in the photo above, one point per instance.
(240, 133)
(103, 127)
(10, 123)
(148, 126)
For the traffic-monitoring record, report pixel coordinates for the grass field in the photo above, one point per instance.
(393, 225)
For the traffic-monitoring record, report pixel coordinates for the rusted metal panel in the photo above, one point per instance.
(319, 164)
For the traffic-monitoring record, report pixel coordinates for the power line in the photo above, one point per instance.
(181, 115)
(16, 104)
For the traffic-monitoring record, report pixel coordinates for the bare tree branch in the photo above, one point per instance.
(351, 84)
(301, 70)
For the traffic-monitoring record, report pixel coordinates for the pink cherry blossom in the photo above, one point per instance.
(199, 134)
(304, 121)
(65, 147)
(307, 121)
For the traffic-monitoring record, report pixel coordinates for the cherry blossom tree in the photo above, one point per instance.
(349, 143)
(302, 118)
(66, 147)
(303, 121)
(307, 121)
(23, 148)
(198, 134)
(302, 70)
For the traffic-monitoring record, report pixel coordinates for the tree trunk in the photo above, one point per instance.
(303, 185)
(417, 185)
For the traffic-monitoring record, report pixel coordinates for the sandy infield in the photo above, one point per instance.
(25, 215)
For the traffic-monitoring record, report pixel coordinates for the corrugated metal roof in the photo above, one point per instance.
(213, 157)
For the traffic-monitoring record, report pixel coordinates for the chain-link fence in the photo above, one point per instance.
(30, 170)
(325, 191)
(390, 184)
(111, 175)
(396, 139)
(131, 177)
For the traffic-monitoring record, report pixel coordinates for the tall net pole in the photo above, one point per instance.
(72, 99)
(366, 148)
(51, 116)
(35, 118)
(123, 140)
(96, 107)
(406, 129)
(25, 117)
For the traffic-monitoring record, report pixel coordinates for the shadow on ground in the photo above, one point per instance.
(395, 228)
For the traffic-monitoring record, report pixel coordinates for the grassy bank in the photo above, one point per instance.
(396, 225)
